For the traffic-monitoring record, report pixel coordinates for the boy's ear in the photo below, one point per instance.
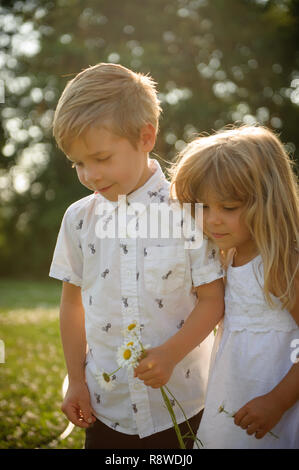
(147, 138)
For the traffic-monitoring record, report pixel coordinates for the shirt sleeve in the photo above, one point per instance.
(205, 263)
(67, 262)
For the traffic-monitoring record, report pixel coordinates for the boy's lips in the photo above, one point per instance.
(105, 188)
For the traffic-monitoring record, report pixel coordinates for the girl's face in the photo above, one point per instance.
(223, 223)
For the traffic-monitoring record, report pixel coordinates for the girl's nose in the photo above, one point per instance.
(213, 217)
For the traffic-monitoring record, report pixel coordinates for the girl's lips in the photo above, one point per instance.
(219, 235)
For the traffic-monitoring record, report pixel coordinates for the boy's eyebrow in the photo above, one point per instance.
(99, 152)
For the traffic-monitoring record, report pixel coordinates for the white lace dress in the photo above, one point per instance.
(252, 354)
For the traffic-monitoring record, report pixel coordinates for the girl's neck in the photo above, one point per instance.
(240, 258)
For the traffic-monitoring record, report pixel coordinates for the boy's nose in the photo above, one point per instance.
(93, 176)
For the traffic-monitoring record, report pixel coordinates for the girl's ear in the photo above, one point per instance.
(147, 138)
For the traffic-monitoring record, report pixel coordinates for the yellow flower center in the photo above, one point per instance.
(106, 377)
(132, 326)
(130, 343)
(127, 354)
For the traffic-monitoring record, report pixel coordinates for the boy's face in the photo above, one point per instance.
(110, 164)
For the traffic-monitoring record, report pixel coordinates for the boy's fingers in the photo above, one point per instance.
(86, 412)
(73, 415)
(146, 376)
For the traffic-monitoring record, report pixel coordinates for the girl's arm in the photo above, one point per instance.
(261, 414)
(155, 370)
(76, 405)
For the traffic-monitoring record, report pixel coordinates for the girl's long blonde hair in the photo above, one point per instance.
(249, 164)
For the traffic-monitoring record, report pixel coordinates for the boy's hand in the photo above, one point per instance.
(259, 415)
(76, 405)
(156, 368)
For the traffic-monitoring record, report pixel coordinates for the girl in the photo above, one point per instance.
(244, 179)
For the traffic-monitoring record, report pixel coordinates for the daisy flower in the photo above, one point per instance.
(132, 329)
(104, 380)
(128, 354)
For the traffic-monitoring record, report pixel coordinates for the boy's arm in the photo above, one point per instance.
(155, 370)
(76, 405)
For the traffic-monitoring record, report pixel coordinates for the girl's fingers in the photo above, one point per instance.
(245, 422)
(239, 416)
(252, 428)
(260, 433)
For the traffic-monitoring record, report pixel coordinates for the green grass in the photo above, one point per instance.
(32, 375)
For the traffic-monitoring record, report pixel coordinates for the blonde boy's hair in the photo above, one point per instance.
(249, 164)
(110, 96)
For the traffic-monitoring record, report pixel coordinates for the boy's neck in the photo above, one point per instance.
(149, 170)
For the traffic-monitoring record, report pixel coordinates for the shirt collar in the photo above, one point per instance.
(151, 191)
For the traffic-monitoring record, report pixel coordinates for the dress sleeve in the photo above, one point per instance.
(205, 263)
(67, 262)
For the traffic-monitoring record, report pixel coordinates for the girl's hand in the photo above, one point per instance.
(76, 405)
(156, 368)
(259, 415)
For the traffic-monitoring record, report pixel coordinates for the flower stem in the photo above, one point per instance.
(195, 438)
(175, 424)
(111, 373)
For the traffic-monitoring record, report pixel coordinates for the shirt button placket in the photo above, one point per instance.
(130, 313)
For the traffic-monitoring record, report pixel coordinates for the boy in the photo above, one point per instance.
(106, 123)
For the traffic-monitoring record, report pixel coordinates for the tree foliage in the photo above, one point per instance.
(216, 62)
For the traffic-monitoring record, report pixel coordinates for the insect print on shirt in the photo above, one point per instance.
(187, 374)
(90, 300)
(212, 254)
(92, 248)
(124, 247)
(159, 302)
(106, 327)
(166, 276)
(172, 402)
(180, 324)
(106, 222)
(137, 276)
(80, 246)
(152, 194)
(104, 273)
(134, 408)
(191, 239)
(79, 226)
(145, 252)
(114, 425)
(97, 397)
(125, 301)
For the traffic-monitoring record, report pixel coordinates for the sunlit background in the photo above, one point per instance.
(215, 61)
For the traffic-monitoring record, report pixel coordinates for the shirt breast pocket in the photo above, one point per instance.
(164, 268)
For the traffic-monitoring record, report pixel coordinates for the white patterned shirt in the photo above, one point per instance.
(143, 279)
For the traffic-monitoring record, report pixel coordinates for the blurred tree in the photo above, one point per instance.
(216, 62)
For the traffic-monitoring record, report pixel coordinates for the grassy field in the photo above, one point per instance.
(32, 375)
